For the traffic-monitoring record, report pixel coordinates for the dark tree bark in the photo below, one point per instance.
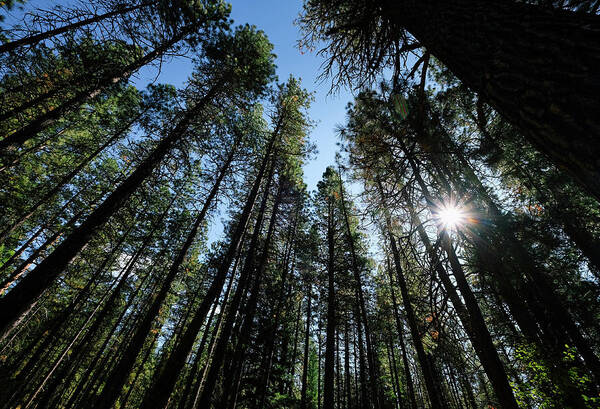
(400, 329)
(303, 397)
(263, 388)
(112, 388)
(361, 300)
(19, 301)
(251, 305)
(250, 274)
(165, 381)
(433, 389)
(328, 384)
(535, 66)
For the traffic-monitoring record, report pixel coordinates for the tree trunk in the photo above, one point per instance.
(213, 336)
(271, 337)
(165, 381)
(433, 390)
(252, 303)
(249, 271)
(535, 66)
(303, 397)
(400, 329)
(328, 385)
(113, 386)
(361, 300)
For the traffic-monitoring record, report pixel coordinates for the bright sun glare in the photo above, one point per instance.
(451, 216)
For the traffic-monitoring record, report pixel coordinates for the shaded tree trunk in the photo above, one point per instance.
(328, 384)
(303, 397)
(400, 329)
(433, 390)
(112, 388)
(165, 381)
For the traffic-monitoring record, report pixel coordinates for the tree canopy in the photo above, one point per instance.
(160, 247)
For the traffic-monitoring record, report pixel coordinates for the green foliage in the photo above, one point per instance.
(542, 389)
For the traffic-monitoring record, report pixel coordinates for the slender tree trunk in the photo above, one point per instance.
(303, 397)
(433, 390)
(328, 386)
(347, 387)
(394, 373)
(289, 383)
(238, 354)
(19, 301)
(193, 372)
(319, 354)
(250, 271)
(213, 337)
(361, 300)
(400, 329)
(263, 388)
(165, 381)
(251, 305)
(534, 65)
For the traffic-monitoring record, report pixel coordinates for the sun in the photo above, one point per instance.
(451, 216)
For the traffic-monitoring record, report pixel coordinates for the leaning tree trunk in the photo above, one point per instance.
(361, 299)
(328, 385)
(433, 389)
(21, 299)
(248, 272)
(536, 66)
(410, 391)
(303, 397)
(168, 377)
(115, 382)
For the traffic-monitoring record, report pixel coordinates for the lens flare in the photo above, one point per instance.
(451, 217)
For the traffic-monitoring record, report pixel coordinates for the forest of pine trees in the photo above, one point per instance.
(449, 256)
